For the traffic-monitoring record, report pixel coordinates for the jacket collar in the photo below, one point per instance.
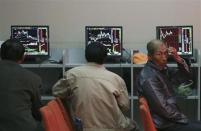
(156, 67)
(95, 65)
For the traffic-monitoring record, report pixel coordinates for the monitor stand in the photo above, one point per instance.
(112, 60)
(33, 60)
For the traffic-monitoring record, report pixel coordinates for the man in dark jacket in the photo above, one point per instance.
(19, 91)
(155, 84)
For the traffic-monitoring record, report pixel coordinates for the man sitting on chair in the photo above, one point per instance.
(155, 84)
(99, 97)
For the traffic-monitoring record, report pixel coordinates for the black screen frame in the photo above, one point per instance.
(110, 58)
(38, 56)
(121, 40)
(177, 26)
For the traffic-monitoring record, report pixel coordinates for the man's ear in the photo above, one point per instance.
(149, 57)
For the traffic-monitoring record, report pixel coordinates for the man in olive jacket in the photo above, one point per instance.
(19, 91)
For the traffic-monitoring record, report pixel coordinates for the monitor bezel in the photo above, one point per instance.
(121, 45)
(48, 39)
(176, 26)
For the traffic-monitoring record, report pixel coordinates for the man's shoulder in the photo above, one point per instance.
(92, 70)
(10, 67)
(30, 73)
(32, 77)
(77, 68)
(148, 73)
(113, 76)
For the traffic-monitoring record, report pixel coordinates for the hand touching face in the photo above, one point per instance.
(172, 51)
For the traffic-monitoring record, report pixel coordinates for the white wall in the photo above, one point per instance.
(67, 18)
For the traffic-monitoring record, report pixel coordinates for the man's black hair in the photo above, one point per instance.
(95, 52)
(12, 49)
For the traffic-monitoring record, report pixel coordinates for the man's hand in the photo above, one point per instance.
(173, 52)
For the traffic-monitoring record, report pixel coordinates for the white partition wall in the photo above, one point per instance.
(67, 18)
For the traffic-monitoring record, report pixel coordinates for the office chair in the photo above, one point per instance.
(55, 117)
(145, 115)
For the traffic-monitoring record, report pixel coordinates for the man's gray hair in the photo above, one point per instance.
(153, 45)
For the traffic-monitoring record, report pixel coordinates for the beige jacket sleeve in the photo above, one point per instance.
(64, 87)
(122, 96)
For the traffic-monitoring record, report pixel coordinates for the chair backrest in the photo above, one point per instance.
(55, 117)
(145, 115)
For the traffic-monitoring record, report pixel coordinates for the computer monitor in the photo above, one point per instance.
(34, 38)
(109, 36)
(179, 37)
